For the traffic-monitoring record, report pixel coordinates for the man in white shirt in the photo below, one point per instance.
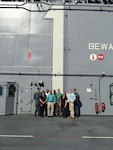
(72, 98)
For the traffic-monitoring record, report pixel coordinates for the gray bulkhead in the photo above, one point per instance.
(26, 50)
(88, 54)
(25, 47)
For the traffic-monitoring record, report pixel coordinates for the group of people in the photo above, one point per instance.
(52, 103)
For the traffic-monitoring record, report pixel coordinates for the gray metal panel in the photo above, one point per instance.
(88, 27)
(9, 109)
(3, 99)
(25, 33)
(22, 32)
(6, 49)
(83, 27)
(38, 45)
(6, 101)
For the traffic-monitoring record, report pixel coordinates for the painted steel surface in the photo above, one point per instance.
(28, 44)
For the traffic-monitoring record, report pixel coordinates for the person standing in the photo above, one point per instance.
(46, 93)
(72, 98)
(36, 98)
(51, 100)
(54, 92)
(64, 105)
(58, 103)
(42, 103)
(77, 104)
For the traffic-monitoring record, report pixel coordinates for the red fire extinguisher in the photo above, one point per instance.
(103, 107)
(96, 108)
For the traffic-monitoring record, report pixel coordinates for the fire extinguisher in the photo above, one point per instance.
(103, 107)
(96, 108)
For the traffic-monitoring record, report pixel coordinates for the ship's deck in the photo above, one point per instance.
(26, 132)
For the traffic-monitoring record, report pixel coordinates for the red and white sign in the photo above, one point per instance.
(93, 57)
(100, 56)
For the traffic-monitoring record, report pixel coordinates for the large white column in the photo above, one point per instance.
(58, 45)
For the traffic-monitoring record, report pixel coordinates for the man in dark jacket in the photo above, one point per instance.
(36, 98)
(77, 104)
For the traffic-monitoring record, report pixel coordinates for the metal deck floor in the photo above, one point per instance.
(26, 132)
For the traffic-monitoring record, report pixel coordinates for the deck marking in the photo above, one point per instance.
(57, 137)
(97, 137)
(17, 136)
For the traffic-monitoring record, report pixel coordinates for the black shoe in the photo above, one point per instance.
(63, 116)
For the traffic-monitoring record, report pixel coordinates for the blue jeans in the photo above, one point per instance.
(42, 111)
(64, 111)
(37, 109)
